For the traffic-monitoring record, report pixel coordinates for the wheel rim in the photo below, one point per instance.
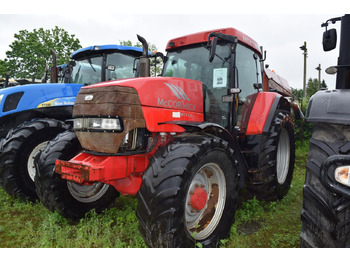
(32, 158)
(283, 156)
(205, 201)
(87, 193)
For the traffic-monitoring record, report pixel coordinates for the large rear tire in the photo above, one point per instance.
(189, 193)
(276, 160)
(19, 151)
(325, 215)
(68, 198)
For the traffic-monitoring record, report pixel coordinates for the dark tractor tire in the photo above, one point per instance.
(325, 215)
(189, 193)
(68, 198)
(276, 160)
(19, 151)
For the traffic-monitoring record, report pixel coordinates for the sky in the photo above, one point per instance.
(281, 30)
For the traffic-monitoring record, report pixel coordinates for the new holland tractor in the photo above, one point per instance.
(325, 214)
(184, 143)
(32, 115)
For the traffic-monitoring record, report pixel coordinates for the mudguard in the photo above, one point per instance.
(224, 134)
(262, 114)
(330, 106)
(264, 108)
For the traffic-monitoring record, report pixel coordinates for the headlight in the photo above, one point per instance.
(341, 174)
(97, 124)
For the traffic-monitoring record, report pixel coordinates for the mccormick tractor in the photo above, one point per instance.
(184, 143)
(326, 208)
(32, 115)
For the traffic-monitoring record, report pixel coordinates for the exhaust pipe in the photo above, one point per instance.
(145, 67)
(54, 70)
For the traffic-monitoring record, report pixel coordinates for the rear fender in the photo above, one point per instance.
(263, 111)
(330, 106)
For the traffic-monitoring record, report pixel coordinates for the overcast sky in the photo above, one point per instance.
(281, 35)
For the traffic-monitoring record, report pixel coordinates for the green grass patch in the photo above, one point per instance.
(257, 223)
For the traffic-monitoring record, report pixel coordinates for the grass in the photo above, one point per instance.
(274, 224)
(257, 224)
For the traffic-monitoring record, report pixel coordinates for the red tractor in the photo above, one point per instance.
(184, 143)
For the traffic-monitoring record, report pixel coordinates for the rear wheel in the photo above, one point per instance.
(325, 215)
(20, 149)
(189, 193)
(68, 198)
(276, 160)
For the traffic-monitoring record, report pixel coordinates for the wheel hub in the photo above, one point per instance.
(205, 201)
(33, 157)
(87, 193)
(199, 199)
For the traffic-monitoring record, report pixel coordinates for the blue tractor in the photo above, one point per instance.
(32, 115)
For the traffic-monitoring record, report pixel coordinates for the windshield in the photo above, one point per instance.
(193, 63)
(123, 65)
(88, 71)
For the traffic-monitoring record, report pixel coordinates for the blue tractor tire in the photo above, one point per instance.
(19, 151)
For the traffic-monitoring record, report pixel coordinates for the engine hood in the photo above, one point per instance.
(163, 92)
(140, 103)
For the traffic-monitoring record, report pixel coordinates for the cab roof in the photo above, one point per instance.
(202, 37)
(96, 48)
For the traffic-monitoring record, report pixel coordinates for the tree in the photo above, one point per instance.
(3, 68)
(312, 86)
(303, 129)
(30, 51)
(297, 94)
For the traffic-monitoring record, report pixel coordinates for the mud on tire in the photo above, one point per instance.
(177, 172)
(68, 198)
(325, 215)
(19, 151)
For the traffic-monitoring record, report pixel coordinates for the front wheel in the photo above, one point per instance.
(189, 193)
(68, 198)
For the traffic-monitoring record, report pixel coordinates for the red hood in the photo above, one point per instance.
(164, 92)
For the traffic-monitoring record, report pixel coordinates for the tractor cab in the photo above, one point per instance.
(230, 77)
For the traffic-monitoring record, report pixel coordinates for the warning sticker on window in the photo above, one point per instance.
(220, 77)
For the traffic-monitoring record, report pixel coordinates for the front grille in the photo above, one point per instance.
(116, 101)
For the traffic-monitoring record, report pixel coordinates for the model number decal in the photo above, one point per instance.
(66, 101)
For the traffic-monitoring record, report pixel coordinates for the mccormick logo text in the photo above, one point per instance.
(181, 95)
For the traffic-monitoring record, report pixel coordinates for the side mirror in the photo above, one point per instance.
(329, 40)
(212, 49)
